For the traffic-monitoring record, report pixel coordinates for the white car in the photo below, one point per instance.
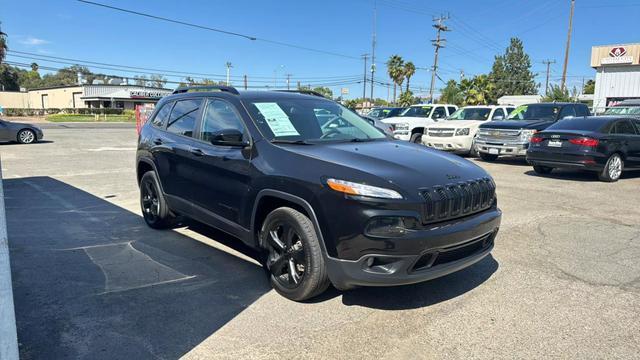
(457, 132)
(410, 124)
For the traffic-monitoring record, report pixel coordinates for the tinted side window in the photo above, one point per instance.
(219, 115)
(637, 123)
(509, 110)
(499, 113)
(162, 115)
(624, 127)
(183, 117)
(582, 110)
(451, 110)
(439, 113)
(567, 111)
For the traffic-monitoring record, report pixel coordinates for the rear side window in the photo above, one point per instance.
(162, 115)
(623, 127)
(183, 117)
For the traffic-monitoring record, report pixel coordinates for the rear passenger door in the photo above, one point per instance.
(174, 161)
(221, 153)
(630, 131)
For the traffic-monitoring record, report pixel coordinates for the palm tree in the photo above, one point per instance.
(34, 67)
(409, 71)
(395, 69)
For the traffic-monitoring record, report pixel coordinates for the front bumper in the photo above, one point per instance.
(458, 144)
(502, 148)
(426, 254)
(402, 135)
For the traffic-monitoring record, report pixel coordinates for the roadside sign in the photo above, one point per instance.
(344, 91)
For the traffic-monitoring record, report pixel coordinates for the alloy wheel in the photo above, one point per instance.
(615, 167)
(150, 201)
(286, 259)
(26, 136)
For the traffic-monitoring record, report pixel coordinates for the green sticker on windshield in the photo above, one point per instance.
(277, 119)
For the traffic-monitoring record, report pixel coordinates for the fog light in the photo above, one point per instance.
(387, 227)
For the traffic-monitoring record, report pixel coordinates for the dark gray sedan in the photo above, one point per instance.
(22, 133)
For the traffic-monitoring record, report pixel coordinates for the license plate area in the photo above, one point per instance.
(554, 143)
(494, 151)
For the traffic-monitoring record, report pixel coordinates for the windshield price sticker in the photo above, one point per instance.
(277, 119)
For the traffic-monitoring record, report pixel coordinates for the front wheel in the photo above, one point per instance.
(542, 170)
(294, 259)
(488, 157)
(613, 169)
(416, 138)
(26, 136)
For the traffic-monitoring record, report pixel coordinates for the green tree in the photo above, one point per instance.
(452, 94)
(409, 71)
(407, 99)
(34, 67)
(3, 45)
(589, 87)
(29, 79)
(511, 73)
(140, 80)
(557, 93)
(395, 69)
(325, 91)
(477, 91)
(157, 80)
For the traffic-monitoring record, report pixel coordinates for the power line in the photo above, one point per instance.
(203, 27)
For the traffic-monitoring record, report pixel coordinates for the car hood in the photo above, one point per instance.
(408, 166)
(457, 124)
(518, 124)
(405, 119)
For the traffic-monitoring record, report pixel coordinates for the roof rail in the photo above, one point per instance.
(186, 89)
(306, 92)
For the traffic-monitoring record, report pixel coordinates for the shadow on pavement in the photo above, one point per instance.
(40, 142)
(91, 280)
(423, 294)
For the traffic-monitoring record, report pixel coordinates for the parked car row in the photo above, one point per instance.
(548, 135)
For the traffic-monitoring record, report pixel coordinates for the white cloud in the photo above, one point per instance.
(33, 41)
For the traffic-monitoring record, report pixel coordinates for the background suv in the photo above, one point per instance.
(457, 134)
(326, 201)
(410, 124)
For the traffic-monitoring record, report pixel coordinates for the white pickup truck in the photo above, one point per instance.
(410, 124)
(458, 131)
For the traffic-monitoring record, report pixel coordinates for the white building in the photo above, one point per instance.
(617, 74)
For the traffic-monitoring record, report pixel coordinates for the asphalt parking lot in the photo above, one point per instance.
(92, 281)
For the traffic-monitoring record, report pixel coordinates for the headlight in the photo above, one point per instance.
(351, 188)
(462, 132)
(527, 134)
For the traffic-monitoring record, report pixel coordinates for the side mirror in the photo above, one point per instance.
(228, 137)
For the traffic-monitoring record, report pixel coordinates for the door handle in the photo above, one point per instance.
(197, 152)
(157, 141)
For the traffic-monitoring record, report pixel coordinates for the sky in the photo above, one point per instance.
(339, 31)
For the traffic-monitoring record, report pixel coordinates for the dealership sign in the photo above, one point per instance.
(146, 94)
(617, 55)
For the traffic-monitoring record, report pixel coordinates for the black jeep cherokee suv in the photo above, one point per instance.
(327, 200)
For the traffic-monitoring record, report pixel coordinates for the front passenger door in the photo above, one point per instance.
(222, 156)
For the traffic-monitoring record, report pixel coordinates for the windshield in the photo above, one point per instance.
(417, 111)
(309, 120)
(471, 114)
(379, 113)
(623, 110)
(535, 112)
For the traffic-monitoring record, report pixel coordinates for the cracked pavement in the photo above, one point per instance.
(92, 281)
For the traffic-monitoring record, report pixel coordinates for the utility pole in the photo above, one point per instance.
(288, 81)
(373, 46)
(438, 43)
(229, 66)
(245, 82)
(548, 63)
(566, 53)
(461, 75)
(364, 83)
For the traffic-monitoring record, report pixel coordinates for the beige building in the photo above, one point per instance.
(85, 96)
(617, 74)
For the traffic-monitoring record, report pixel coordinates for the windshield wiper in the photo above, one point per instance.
(361, 140)
(294, 142)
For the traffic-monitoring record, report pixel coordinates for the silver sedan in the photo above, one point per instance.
(19, 132)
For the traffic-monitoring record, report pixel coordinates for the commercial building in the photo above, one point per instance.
(83, 96)
(617, 74)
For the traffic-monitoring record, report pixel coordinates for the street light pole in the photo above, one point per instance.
(229, 66)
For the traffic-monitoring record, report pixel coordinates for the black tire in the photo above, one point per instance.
(542, 170)
(488, 157)
(416, 138)
(155, 210)
(294, 259)
(613, 169)
(474, 150)
(26, 136)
